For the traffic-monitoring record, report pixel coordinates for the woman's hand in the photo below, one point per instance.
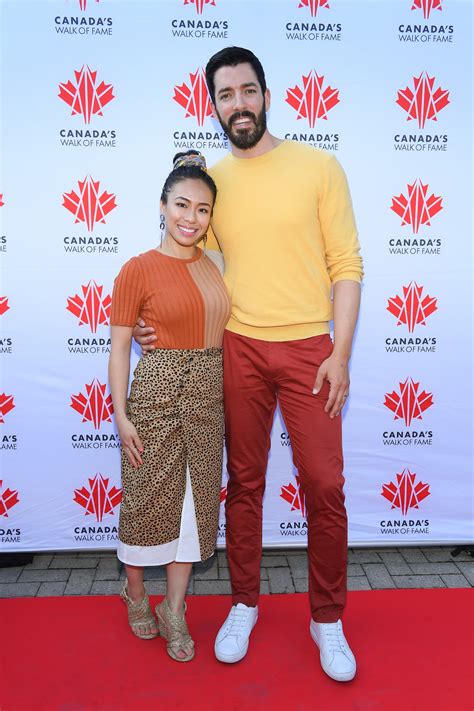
(131, 442)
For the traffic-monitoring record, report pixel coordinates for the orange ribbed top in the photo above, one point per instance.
(184, 300)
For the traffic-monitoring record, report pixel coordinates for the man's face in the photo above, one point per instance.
(240, 105)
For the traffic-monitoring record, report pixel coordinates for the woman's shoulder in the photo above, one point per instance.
(217, 258)
(136, 266)
(145, 257)
(138, 261)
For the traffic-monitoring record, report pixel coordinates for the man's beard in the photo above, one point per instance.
(245, 138)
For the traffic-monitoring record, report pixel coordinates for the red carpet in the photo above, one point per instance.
(413, 647)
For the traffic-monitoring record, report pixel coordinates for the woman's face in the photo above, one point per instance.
(187, 211)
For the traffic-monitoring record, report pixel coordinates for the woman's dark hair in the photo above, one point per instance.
(231, 57)
(190, 165)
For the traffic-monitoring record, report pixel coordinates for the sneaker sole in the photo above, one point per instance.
(233, 658)
(348, 676)
(230, 658)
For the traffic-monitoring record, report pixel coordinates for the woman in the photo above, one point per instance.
(171, 426)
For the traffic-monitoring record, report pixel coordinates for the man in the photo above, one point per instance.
(283, 220)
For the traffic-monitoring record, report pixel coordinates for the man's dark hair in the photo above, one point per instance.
(231, 57)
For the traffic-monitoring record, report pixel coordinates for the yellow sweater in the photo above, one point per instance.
(285, 225)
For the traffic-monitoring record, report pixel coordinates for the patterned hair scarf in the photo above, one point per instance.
(184, 161)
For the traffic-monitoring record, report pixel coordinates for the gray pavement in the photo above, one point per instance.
(282, 571)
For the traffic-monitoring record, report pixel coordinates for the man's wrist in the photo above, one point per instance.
(342, 354)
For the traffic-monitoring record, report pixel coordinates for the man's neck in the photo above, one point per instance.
(266, 143)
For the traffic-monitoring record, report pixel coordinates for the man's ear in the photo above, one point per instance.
(267, 99)
(214, 112)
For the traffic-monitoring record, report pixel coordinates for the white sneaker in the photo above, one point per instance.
(232, 640)
(336, 656)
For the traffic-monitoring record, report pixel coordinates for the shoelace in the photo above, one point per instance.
(335, 637)
(237, 621)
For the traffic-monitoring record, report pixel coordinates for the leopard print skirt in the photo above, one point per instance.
(176, 404)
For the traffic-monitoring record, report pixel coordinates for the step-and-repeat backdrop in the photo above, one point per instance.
(97, 96)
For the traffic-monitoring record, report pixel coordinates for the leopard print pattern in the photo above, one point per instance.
(176, 404)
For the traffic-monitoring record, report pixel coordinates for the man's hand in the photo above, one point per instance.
(336, 371)
(145, 336)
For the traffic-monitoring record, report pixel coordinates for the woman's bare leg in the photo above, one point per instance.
(177, 575)
(136, 592)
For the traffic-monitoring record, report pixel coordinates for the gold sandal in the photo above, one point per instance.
(139, 614)
(175, 630)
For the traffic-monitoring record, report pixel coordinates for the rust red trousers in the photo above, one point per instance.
(257, 375)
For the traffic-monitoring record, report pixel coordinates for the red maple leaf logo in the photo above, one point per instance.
(84, 97)
(195, 99)
(294, 496)
(83, 4)
(1, 200)
(405, 494)
(408, 404)
(223, 494)
(427, 6)
(314, 5)
(418, 208)
(98, 499)
(91, 308)
(8, 499)
(425, 102)
(312, 102)
(93, 406)
(3, 304)
(6, 405)
(200, 4)
(412, 309)
(89, 206)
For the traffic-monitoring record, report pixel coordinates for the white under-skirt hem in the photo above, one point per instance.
(184, 549)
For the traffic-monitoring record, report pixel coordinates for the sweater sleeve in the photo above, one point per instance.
(338, 226)
(127, 295)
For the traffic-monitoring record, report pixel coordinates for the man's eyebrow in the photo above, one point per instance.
(243, 86)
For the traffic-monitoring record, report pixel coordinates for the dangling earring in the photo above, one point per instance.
(204, 239)
(162, 228)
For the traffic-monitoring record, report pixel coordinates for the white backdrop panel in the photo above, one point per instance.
(60, 475)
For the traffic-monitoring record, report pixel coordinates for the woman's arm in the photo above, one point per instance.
(119, 371)
(119, 368)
